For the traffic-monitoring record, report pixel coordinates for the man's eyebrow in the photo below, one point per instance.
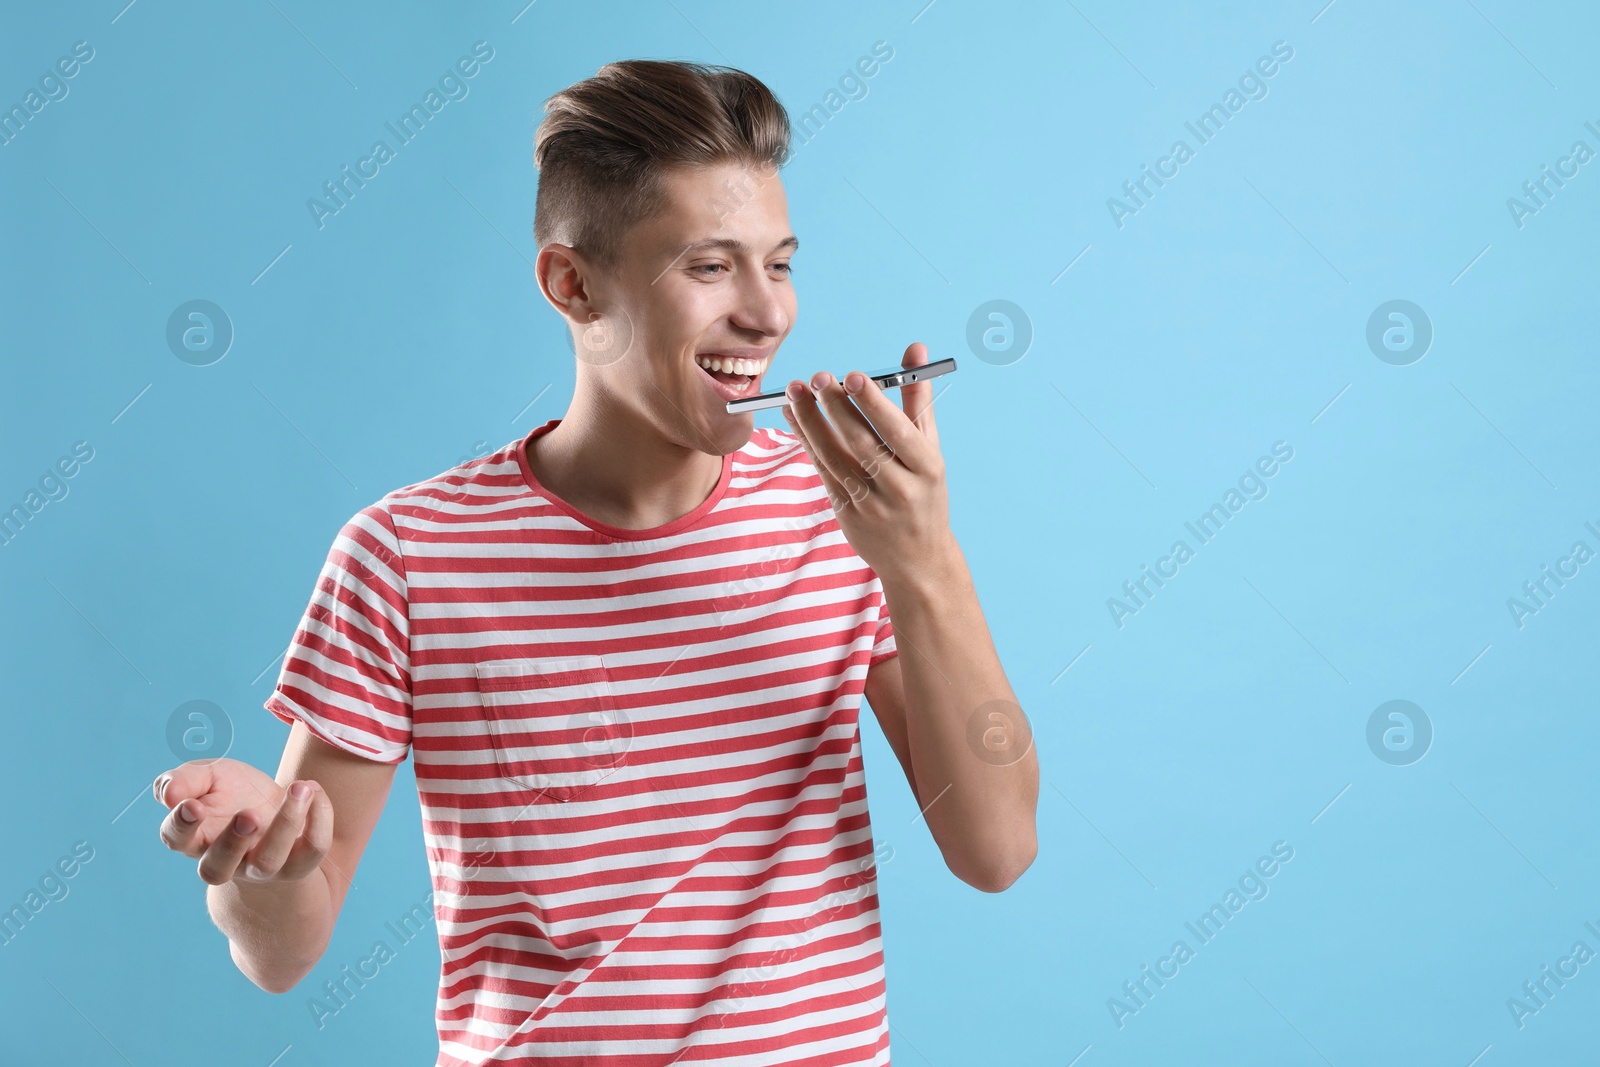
(732, 244)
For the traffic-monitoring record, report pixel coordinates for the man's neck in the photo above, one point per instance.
(621, 472)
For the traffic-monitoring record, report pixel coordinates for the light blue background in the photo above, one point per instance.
(1228, 314)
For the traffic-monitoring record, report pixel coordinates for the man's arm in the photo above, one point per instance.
(278, 931)
(276, 861)
(951, 717)
(971, 752)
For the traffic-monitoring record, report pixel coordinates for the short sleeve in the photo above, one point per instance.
(347, 673)
(883, 647)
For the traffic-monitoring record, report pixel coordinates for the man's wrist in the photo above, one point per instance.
(928, 576)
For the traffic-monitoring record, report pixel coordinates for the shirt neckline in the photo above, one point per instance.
(620, 533)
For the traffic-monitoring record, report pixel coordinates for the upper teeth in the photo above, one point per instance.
(732, 366)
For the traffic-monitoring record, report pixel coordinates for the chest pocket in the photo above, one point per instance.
(554, 726)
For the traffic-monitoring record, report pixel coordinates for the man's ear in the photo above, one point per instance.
(563, 276)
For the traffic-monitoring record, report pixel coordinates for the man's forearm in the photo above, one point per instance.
(276, 932)
(971, 748)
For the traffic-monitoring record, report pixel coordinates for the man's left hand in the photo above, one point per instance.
(882, 466)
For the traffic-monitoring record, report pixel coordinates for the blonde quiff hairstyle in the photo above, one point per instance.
(605, 144)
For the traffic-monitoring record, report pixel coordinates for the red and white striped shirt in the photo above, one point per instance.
(637, 755)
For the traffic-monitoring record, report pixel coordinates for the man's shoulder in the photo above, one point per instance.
(474, 482)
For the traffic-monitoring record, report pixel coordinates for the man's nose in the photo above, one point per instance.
(760, 308)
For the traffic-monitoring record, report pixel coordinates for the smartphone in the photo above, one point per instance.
(892, 378)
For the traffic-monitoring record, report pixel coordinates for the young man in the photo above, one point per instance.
(627, 653)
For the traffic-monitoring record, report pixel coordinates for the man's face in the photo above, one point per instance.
(708, 278)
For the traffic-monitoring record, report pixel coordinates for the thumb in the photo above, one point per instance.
(917, 398)
(185, 782)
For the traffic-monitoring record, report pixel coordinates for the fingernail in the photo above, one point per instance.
(243, 824)
(186, 814)
(821, 380)
(795, 391)
(787, 413)
(854, 381)
(300, 790)
(161, 786)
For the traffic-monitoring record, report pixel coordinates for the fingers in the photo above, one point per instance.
(869, 434)
(222, 856)
(846, 443)
(896, 440)
(911, 435)
(282, 838)
(843, 484)
(266, 858)
(805, 415)
(287, 847)
(180, 830)
(848, 411)
(853, 428)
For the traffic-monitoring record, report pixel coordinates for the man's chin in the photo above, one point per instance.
(732, 432)
(722, 424)
(713, 430)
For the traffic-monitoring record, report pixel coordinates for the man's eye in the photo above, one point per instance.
(712, 268)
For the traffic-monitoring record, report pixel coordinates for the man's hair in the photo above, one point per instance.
(606, 143)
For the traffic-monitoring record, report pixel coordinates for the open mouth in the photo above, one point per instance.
(732, 378)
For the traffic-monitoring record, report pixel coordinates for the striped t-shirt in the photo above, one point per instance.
(637, 755)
